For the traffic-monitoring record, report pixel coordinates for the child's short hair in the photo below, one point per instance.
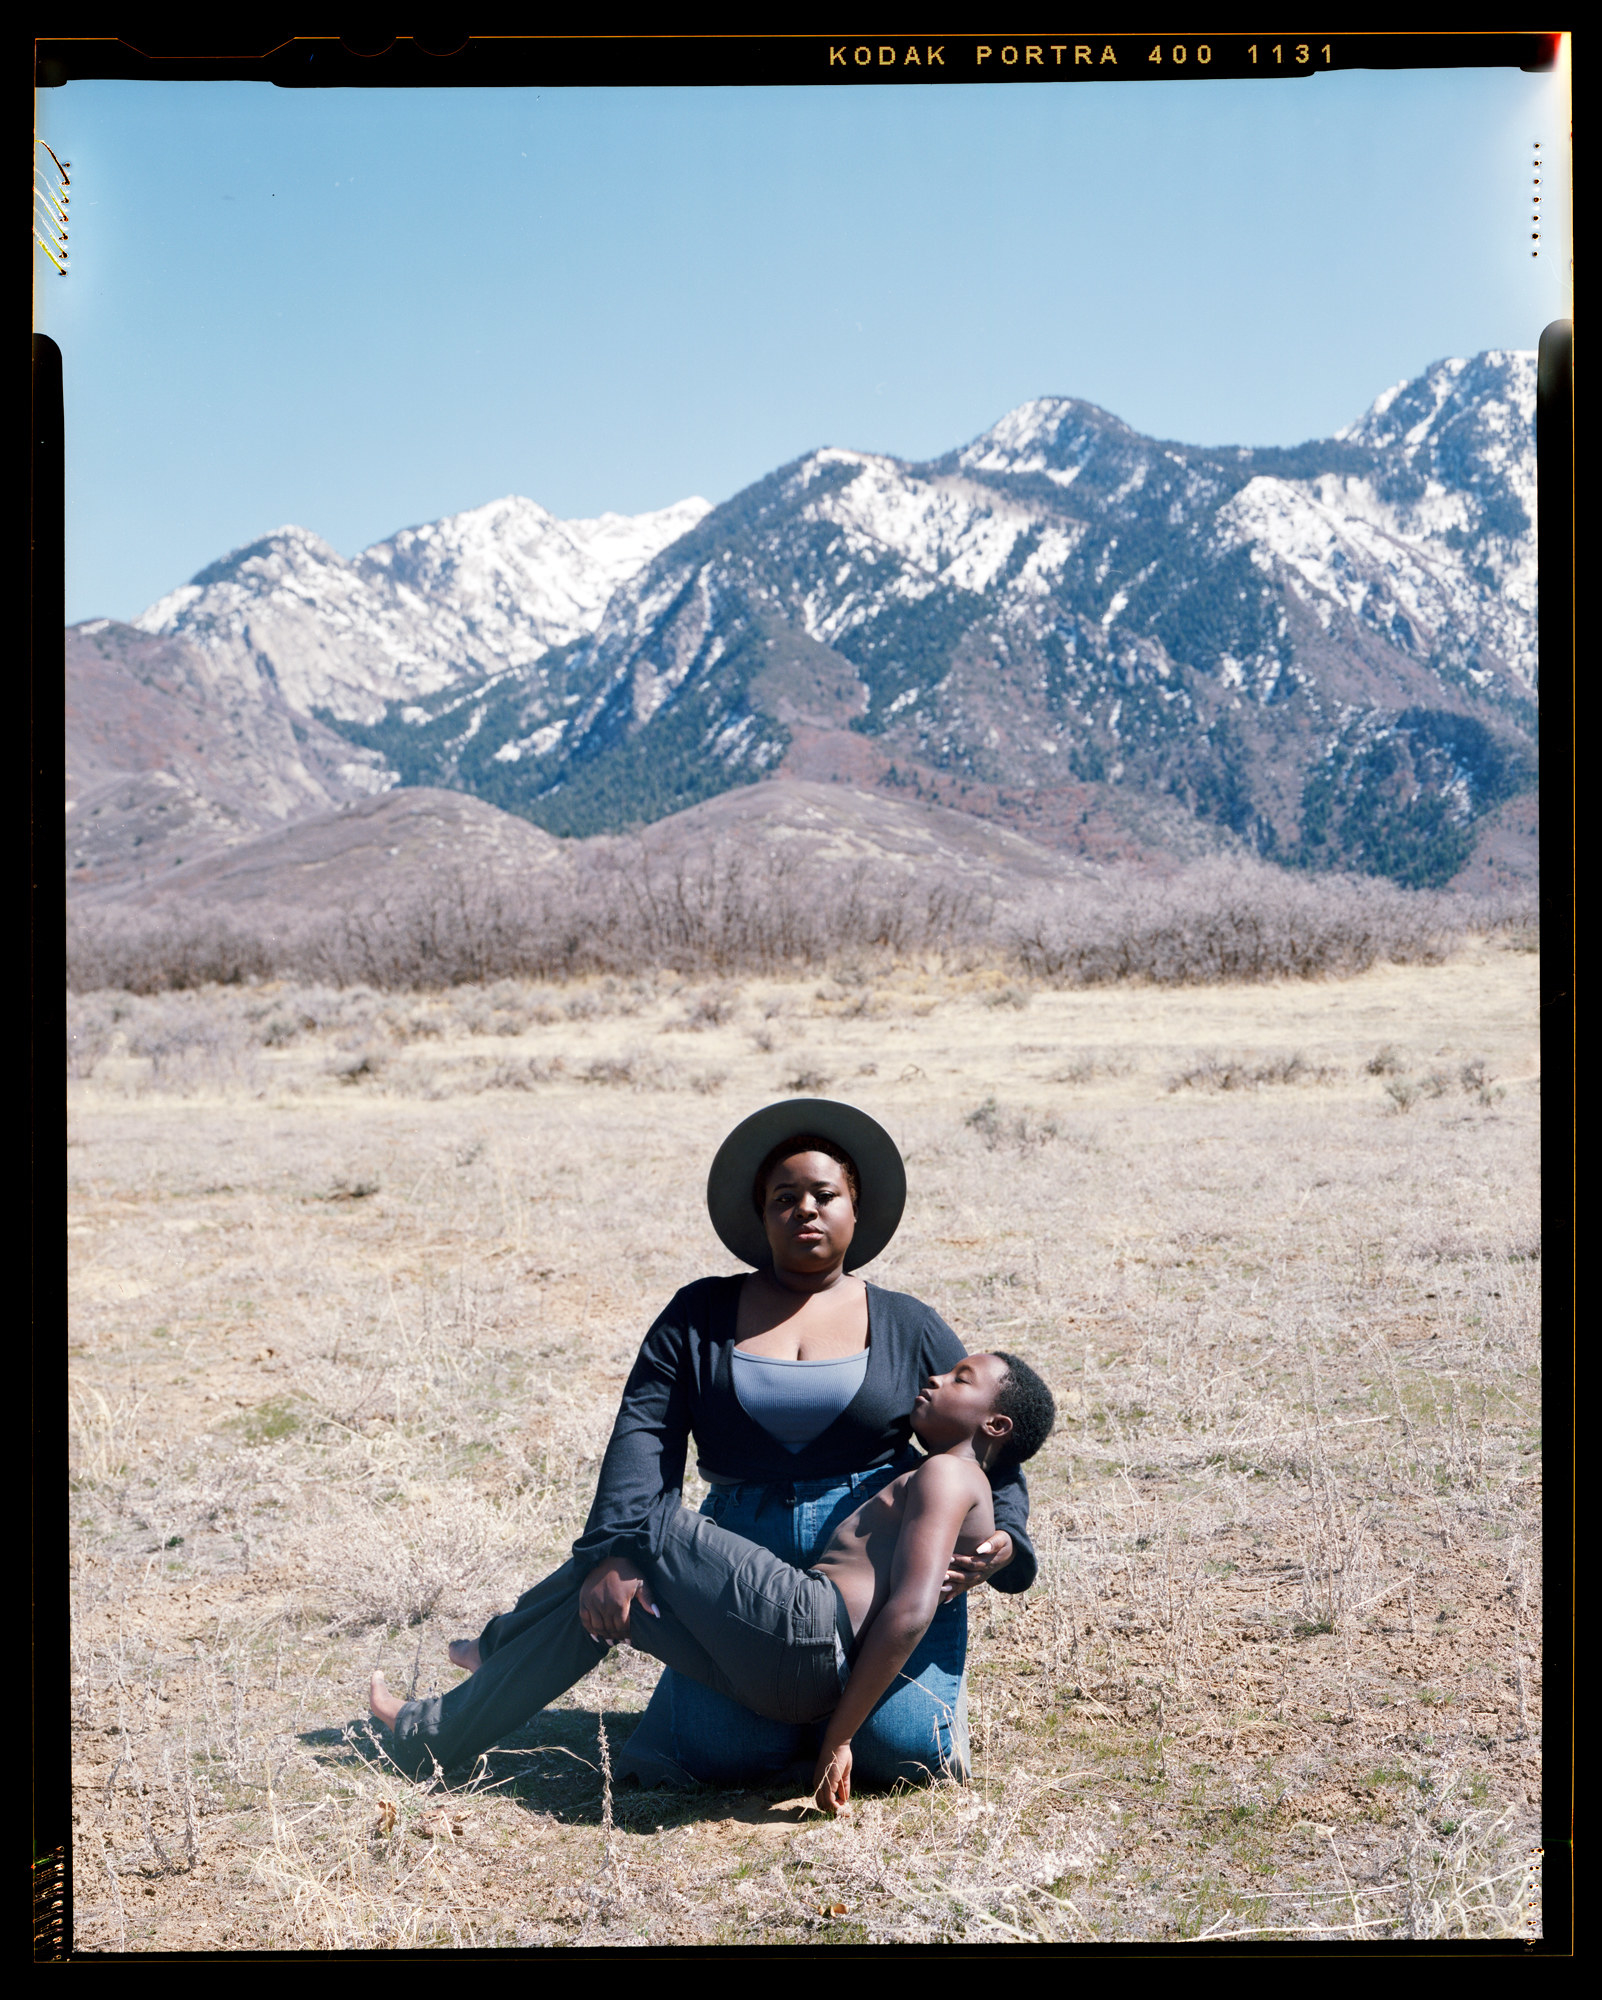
(1029, 1403)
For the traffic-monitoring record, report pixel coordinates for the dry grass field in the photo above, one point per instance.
(356, 1281)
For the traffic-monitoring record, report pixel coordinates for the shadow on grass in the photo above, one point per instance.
(554, 1767)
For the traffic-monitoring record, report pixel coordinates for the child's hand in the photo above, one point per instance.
(831, 1781)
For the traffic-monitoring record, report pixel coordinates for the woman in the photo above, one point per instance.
(797, 1382)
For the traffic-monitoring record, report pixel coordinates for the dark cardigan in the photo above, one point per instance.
(681, 1384)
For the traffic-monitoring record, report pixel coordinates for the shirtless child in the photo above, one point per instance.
(798, 1645)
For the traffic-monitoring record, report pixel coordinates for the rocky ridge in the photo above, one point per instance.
(492, 588)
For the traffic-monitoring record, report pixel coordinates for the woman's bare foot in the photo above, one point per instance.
(464, 1653)
(384, 1703)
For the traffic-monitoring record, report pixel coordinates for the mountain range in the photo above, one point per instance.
(1115, 645)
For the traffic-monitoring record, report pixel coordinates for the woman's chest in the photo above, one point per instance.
(826, 1327)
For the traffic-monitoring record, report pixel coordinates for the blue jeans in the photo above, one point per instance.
(917, 1731)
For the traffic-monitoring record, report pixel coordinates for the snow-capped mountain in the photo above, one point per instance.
(492, 588)
(1326, 652)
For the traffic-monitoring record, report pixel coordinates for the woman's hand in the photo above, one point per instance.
(606, 1597)
(965, 1571)
(831, 1781)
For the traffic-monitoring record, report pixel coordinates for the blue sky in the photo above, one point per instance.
(359, 310)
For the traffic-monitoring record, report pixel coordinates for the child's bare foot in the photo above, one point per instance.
(464, 1653)
(384, 1703)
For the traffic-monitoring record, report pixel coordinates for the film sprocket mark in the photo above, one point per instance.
(50, 208)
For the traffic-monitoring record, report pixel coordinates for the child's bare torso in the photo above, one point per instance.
(861, 1552)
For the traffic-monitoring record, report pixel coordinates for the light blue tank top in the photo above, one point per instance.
(796, 1401)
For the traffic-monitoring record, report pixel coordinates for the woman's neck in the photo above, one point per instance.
(804, 1284)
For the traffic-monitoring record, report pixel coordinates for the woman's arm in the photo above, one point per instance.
(939, 1498)
(644, 1458)
(1009, 1499)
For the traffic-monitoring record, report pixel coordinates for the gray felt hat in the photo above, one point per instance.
(878, 1162)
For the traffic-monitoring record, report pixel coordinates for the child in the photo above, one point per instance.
(797, 1645)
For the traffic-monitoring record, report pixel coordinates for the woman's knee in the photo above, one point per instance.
(917, 1735)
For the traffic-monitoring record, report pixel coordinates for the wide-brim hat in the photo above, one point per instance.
(879, 1167)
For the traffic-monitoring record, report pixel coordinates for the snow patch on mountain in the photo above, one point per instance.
(939, 531)
(1335, 557)
(1052, 435)
(1469, 424)
(539, 744)
(1389, 552)
(519, 580)
(1343, 550)
(655, 682)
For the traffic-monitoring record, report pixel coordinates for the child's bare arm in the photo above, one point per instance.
(939, 1500)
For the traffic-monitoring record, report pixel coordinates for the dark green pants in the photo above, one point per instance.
(732, 1616)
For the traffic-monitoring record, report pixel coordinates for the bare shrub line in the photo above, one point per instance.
(623, 910)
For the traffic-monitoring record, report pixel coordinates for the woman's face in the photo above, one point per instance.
(808, 1214)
